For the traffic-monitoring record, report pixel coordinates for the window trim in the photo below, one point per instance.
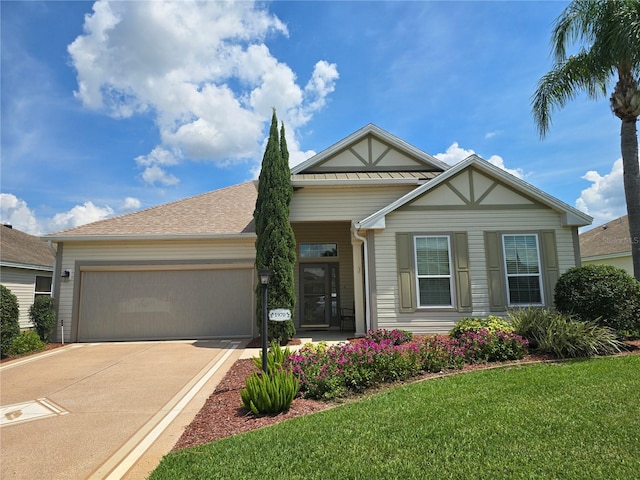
(41, 293)
(316, 244)
(540, 274)
(451, 276)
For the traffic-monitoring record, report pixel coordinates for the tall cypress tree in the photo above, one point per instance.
(275, 243)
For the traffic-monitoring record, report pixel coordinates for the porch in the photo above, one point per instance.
(329, 280)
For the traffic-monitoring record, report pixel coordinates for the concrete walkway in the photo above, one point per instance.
(108, 410)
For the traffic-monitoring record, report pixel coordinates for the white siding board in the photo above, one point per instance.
(461, 183)
(22, 283)
(474, 223)
(501, 195)
(342, 203)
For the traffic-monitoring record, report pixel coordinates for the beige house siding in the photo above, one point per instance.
(474, 223)
(621, 262)
(119, 254)
(311, 204)
(330, 232)
(22, 283)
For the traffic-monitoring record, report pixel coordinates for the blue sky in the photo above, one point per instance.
(111, 107)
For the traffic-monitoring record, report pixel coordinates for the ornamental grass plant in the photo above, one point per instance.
(562, 336)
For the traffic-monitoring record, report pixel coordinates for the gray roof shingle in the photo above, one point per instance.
(21, 248)
(609, 239)
(227, 211)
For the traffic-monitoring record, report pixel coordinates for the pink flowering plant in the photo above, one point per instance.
(339, 370)
(491, 346)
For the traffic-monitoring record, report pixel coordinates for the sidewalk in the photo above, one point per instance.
(332, 337)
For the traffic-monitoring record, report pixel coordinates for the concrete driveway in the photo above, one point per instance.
(106, 410)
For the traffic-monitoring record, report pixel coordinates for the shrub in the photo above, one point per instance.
(491, 323)
(9, 319)
(43, 316)
(562, 336)
(352, 367)
(397, 337)
(276, 356)
(271, 392)
(26, 342)
(603, 294)
(491, 346)
(439, 352)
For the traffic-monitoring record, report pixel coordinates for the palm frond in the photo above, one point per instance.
(564, 82)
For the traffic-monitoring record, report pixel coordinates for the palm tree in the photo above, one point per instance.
(608, 32)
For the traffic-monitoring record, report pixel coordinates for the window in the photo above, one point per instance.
(523, 269)
(433, 271)
(318, 250)
(43, 286)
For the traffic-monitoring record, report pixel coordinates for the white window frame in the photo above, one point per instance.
(507, 275)
(418, 276)
(37, 293)
(315, 246)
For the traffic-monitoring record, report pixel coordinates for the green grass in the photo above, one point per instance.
(574, 420)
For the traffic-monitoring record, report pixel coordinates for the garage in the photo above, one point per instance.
(165, 304)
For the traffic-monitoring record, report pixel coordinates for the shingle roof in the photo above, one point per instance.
(227, 211)
(608, 239)
(21, 248)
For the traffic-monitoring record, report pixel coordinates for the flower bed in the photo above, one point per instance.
(384, 356)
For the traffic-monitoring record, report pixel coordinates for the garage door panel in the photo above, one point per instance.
(172, 304)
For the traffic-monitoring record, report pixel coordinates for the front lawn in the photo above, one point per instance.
(572, 420)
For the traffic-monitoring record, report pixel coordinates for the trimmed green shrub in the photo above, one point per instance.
(26, 342)
(272, 392)
(603, 294)
(396, 336)
(43, 316)
(562, 336)
(9, 319)
(491, 323)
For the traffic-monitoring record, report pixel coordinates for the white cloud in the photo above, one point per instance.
(155, 175)
(604, 199)
(130, 203)
(489, 135)
(455, 154)
(153, 164)
(16, 212)
(79, 215)
(202, 70)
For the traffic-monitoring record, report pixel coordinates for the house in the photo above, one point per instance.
(381, 227)
(608, 244)
(26, 268)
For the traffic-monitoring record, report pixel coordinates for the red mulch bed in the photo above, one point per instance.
(49, 346)
(223, 414)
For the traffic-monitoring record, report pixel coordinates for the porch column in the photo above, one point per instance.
(358, 286)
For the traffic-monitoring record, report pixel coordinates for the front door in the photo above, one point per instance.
(319, 287)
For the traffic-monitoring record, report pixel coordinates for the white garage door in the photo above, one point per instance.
(165, 304)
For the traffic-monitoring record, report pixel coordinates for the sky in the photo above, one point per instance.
(112, 107)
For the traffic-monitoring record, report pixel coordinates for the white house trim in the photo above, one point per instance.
(570, 215)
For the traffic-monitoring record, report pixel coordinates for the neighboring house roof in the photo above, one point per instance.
(570, 215)
(219, 213)
(611, 239)
(369, 146)
(19, 249)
